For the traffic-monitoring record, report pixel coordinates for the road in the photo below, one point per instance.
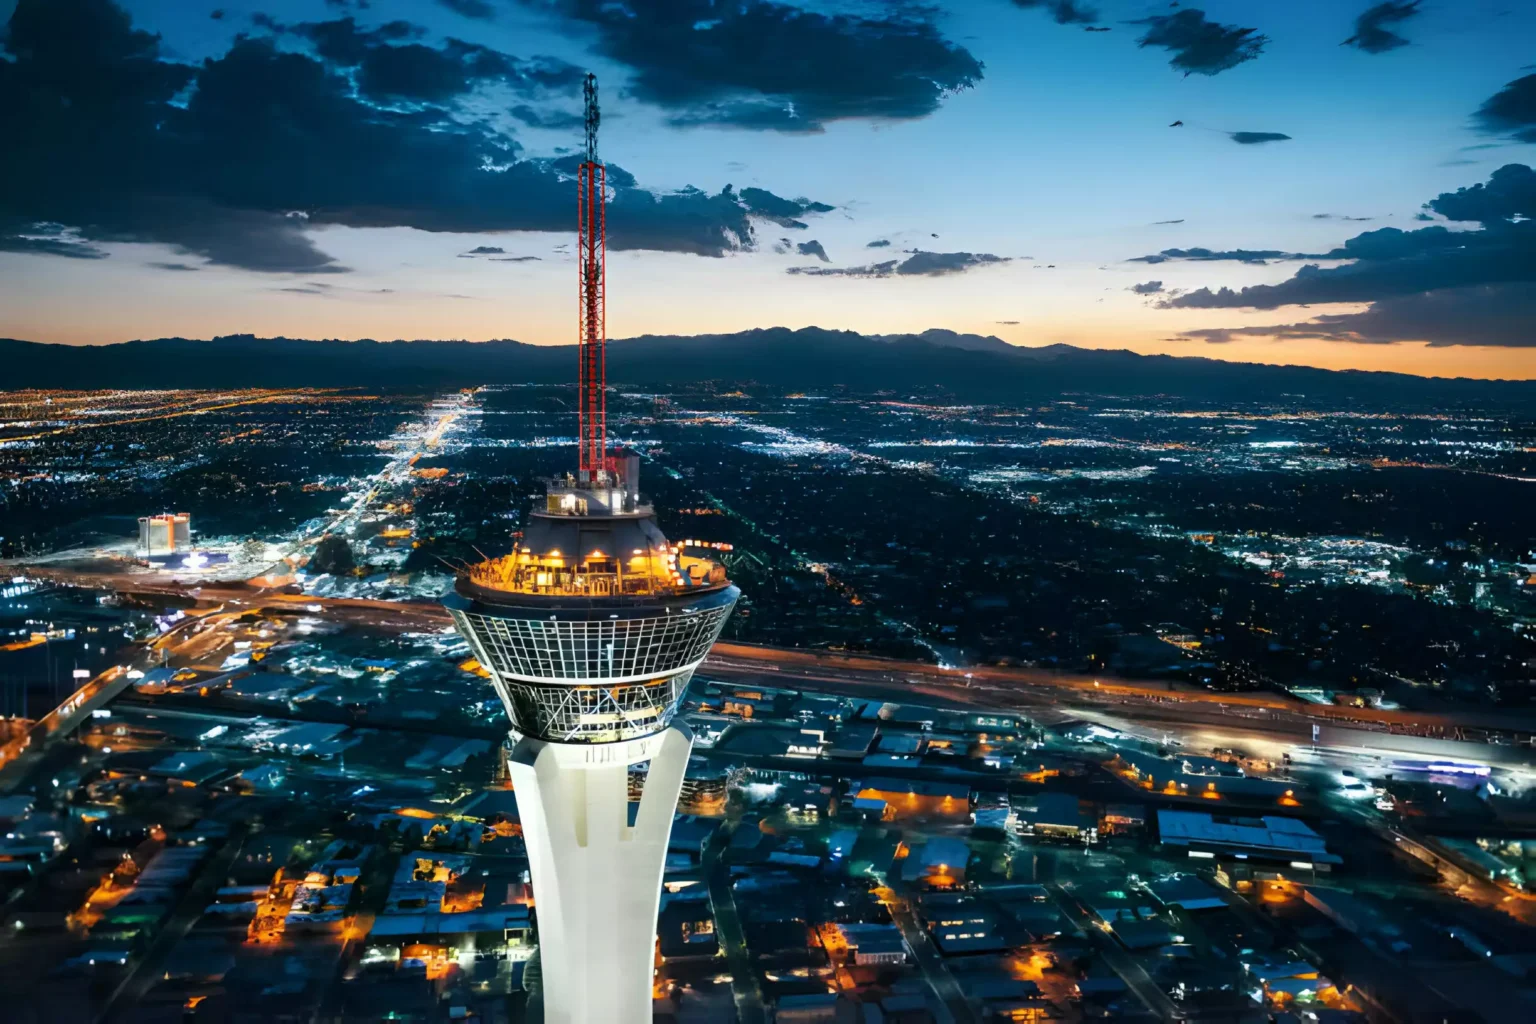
(889, 679)
(745, 985)
(990, 686)
(19, 753)
(930, 962)
(1130, 970)
(148, 968)
(1029, 691)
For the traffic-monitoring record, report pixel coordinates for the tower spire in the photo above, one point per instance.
(592, 342)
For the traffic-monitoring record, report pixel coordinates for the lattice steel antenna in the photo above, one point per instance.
(592, 255)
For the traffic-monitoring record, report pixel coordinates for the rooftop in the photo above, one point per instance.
(1269, 834)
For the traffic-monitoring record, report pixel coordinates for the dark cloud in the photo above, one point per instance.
(917, 263)
(1510, 194)
(879, 243)
(237, 159)
(340, 41)
(390, 66)
(516, 259)
(1179, 220)
(1503, 315)
(50, 247)
(549, 120)
(1483, 276)
(1199, 46)
(1450, 260)
(937, 264)
(781, 211)
(774, 67)
(484, 250)
(1372, 33)
(477, 9)
(1008, 323)
(1147, 287)
(1063, 12)
(1511, 112)
(1259, 256)
(178, 267)
(813, 248)
(614, 175)
(47, 240)
(1340, 216)
(1255, 138)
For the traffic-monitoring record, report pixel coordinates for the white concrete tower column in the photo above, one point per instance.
(596, 879)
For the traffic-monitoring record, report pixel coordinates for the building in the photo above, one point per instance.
(1123, 819)
(1204, 777)
(685, 929)
(918, 798)
(938, 863)
(874, 944)
(808, 1008)
(853, 740)
(591, 629)
(1061, 816)
(1187, 892)
(704, 788)
(961, 925)
(167, 534)
(1270, 838)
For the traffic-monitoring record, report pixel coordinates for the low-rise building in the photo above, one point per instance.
(1273, 838)
(874, 944)
(1060, 816)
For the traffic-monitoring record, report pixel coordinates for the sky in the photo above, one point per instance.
(1324, 182)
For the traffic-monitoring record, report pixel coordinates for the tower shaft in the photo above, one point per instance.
(597, 879)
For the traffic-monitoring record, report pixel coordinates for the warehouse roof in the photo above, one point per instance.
(1266, 835)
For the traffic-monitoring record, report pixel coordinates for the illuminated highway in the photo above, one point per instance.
(1034, 691)
(92, 694)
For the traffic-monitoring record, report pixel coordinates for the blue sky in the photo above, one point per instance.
(1057, 157)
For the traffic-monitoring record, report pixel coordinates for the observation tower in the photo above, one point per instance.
(590, 630)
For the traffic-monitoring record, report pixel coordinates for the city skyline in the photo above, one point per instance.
(1039, 171)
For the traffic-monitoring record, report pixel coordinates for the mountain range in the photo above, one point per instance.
(971, 367)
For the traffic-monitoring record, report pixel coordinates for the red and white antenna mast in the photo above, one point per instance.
(592, 255)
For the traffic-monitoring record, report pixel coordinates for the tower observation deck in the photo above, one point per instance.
(590, 630)
(593, 625)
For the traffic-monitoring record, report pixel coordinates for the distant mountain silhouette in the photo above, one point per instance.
(973, 367)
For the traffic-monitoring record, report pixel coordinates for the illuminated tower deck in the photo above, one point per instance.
(594, 624)
(590, 630)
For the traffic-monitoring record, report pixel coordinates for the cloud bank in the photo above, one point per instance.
(918, 263)
(768, 66)
(1470, 286)
(235, 160)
